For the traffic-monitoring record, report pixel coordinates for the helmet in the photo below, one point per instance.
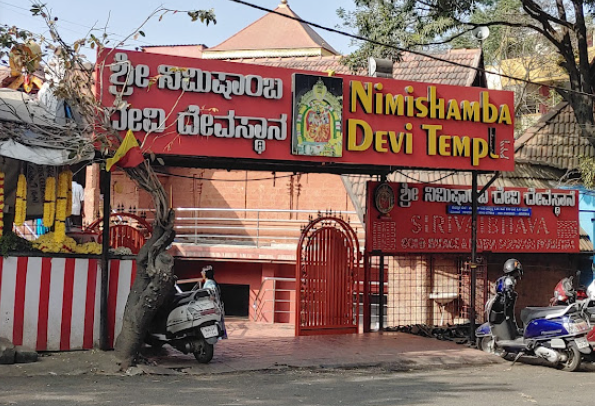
(513, 266)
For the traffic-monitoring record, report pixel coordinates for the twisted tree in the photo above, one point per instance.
(73, 83)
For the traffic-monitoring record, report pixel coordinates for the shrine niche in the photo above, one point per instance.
(318, 116)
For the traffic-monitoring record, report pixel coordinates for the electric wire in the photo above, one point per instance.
(411, 51)
(364, 39)
(359, 38)
(175, 175)
(275, 177)
(68, 22)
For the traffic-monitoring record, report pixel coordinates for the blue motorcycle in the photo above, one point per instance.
(557, 334)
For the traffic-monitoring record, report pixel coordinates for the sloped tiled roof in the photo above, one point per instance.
(585, 244)
(555, 141)
(188, 50)
(411, 67)
(312, 63)
(273, 32)
(419, 68)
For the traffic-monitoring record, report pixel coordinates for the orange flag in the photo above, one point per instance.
(128, 154)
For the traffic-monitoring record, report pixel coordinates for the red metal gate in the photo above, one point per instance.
(327, 276)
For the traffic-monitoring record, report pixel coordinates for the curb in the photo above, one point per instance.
(398, 365)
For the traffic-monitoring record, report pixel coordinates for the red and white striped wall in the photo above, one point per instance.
(52, 304)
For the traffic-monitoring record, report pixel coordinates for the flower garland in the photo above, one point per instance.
(49, 204)
(20, 206)
(47, 243)
(1, 203)
(60, 225)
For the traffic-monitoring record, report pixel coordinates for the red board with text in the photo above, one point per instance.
(208, 108)
(422, 218)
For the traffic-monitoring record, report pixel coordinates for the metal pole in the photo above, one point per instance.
(473, 264)
(105, 188)
(195, 215)
(366, 294)
(381, 294)
(258, 229)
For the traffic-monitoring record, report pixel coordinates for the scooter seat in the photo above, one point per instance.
(591, 313)
(532, 313)
(182, 298)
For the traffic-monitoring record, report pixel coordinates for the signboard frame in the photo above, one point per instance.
(520, 220)
(198, 112)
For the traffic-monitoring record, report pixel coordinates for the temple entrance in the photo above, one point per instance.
(327, 277)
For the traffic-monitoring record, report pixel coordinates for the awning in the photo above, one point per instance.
(42, 155)
(36, 131)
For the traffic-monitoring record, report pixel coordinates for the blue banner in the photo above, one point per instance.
(491, 210)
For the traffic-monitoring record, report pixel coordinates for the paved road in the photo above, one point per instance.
(493, 385)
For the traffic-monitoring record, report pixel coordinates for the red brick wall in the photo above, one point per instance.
(188, 187)
(242, 189)
(252, 274)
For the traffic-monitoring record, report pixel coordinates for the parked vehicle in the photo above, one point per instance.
(192, 323)
(557, 334)
(565, 293)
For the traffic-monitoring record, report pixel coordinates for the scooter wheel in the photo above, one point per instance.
(574, 359)
(204, 351)
(486, 344)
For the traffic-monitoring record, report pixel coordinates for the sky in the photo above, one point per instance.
(120, 18)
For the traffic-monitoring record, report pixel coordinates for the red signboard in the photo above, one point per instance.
(423, 218)
(207, 108)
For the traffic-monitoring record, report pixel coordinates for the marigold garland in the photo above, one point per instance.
(49, 204)
(1, 202)
(20, 206)
(60, 226)
(47, 243)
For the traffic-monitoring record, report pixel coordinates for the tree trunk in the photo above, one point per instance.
(154, 282)
(582, 106)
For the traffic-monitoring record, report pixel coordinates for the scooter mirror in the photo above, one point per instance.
(591, 290)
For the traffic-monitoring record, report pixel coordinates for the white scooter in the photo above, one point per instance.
(192, 323)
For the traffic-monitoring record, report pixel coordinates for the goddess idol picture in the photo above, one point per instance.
(317, 116)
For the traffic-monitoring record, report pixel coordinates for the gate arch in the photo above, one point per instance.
(327, 277)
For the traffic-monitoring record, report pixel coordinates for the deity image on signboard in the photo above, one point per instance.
(317, 116)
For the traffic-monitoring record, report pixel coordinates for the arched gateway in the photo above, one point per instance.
(327, 278)
(231, 115)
